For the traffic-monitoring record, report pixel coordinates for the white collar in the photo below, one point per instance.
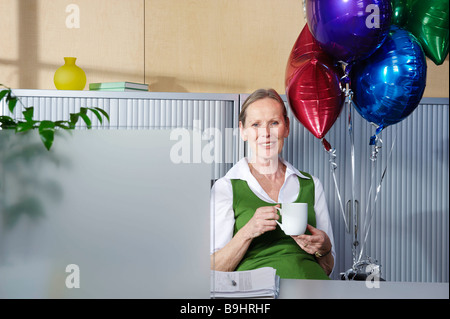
(242, 171)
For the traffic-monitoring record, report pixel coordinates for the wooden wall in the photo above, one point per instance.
(221, 46)
(109, 43)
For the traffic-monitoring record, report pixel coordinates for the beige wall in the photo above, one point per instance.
(223, 46)
(220, 45)
(109, 44)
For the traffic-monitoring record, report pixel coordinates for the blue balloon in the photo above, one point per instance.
(388, 85)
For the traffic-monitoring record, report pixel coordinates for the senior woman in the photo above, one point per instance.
(245, 232)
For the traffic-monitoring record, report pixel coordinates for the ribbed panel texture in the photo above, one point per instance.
(151, 113)
(409, 232)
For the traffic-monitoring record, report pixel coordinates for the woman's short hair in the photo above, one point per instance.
(259, 95)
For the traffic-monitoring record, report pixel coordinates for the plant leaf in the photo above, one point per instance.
(73, 119)
(7, 122)
(47, 133)
(86, 120)
(97, 113)
(3, 93)
(25, 126)
(12, 103)
(28, 113)
(26, 207)
(63, 124)
(105, 114)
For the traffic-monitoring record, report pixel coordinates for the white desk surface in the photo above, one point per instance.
(338, 289)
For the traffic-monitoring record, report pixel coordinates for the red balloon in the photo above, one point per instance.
(305, 44)
(313, 86)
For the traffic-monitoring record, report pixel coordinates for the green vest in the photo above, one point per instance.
(274, 248)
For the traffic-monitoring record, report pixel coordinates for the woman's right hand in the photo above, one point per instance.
(263, 220)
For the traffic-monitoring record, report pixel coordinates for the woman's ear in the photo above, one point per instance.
(243, 131)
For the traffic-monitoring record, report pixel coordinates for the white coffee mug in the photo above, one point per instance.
(295, 218)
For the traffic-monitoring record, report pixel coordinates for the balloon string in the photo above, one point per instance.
(374, 138)
(376, 148)
(333, 166)
(346, 78)
(368, 223)
(349, 95)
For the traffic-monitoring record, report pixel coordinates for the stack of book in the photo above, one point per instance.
(118, 86)
(258, 283)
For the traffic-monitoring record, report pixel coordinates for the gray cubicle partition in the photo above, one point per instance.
(409, 231)
(105, 214)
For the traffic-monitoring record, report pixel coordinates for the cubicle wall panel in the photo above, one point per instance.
(408, 233)
(410, 227)
(211, 115)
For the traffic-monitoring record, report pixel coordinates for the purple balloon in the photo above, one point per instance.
(349, 30)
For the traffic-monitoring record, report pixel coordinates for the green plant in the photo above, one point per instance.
(46, 128)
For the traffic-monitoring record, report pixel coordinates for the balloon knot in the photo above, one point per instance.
(326, 144)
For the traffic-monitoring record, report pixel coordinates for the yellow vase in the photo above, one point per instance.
(70, 76)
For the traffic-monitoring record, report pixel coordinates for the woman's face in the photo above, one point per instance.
(265, 128)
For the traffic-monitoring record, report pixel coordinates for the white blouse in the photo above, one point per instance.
(222, 214)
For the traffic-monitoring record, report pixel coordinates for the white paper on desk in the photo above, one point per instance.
(262, 282)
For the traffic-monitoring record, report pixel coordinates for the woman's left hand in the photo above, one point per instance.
(318, 241)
